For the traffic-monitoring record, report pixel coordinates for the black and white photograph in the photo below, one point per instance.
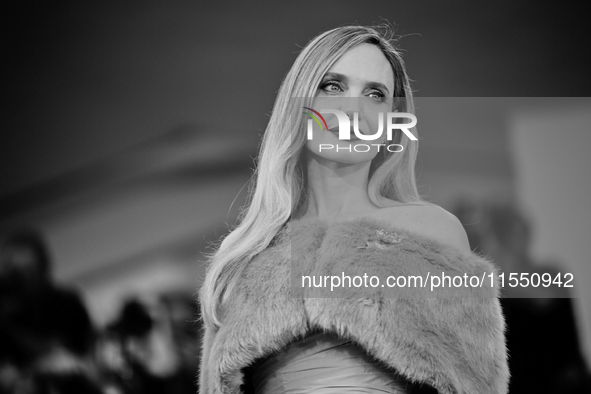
(298, 197)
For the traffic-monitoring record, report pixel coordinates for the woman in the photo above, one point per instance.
(352, 211)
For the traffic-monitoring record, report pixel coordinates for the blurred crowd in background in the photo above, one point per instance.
(48, 343)
(542, 337)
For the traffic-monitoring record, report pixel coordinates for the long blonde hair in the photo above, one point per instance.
(278, 185)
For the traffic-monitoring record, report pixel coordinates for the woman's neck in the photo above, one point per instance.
(336, 190)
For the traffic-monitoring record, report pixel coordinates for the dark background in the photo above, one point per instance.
(85, 79)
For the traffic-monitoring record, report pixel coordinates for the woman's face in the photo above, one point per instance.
(362, 82)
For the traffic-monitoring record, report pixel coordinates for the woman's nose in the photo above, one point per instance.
(350, 113)
(350, 106)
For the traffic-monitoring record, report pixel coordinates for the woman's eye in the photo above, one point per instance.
(377, 95)
(331, 87)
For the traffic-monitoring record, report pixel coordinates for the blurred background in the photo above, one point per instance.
(120, 158)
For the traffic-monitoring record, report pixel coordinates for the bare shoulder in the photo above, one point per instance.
(430, 221)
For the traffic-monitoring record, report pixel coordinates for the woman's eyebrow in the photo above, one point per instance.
(379, 86)
(344, 78)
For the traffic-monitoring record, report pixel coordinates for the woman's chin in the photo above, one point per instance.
(344, 153)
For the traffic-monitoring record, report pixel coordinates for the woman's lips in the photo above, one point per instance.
(335, 131)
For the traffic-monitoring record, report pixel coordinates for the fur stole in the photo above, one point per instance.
(451, 341)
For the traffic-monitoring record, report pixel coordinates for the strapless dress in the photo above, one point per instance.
(323, 363)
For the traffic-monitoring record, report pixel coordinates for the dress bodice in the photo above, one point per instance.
(323, 364)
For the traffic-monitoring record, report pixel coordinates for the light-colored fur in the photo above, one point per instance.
(453, 342)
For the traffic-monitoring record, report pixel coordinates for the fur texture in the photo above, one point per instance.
(451, 341)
